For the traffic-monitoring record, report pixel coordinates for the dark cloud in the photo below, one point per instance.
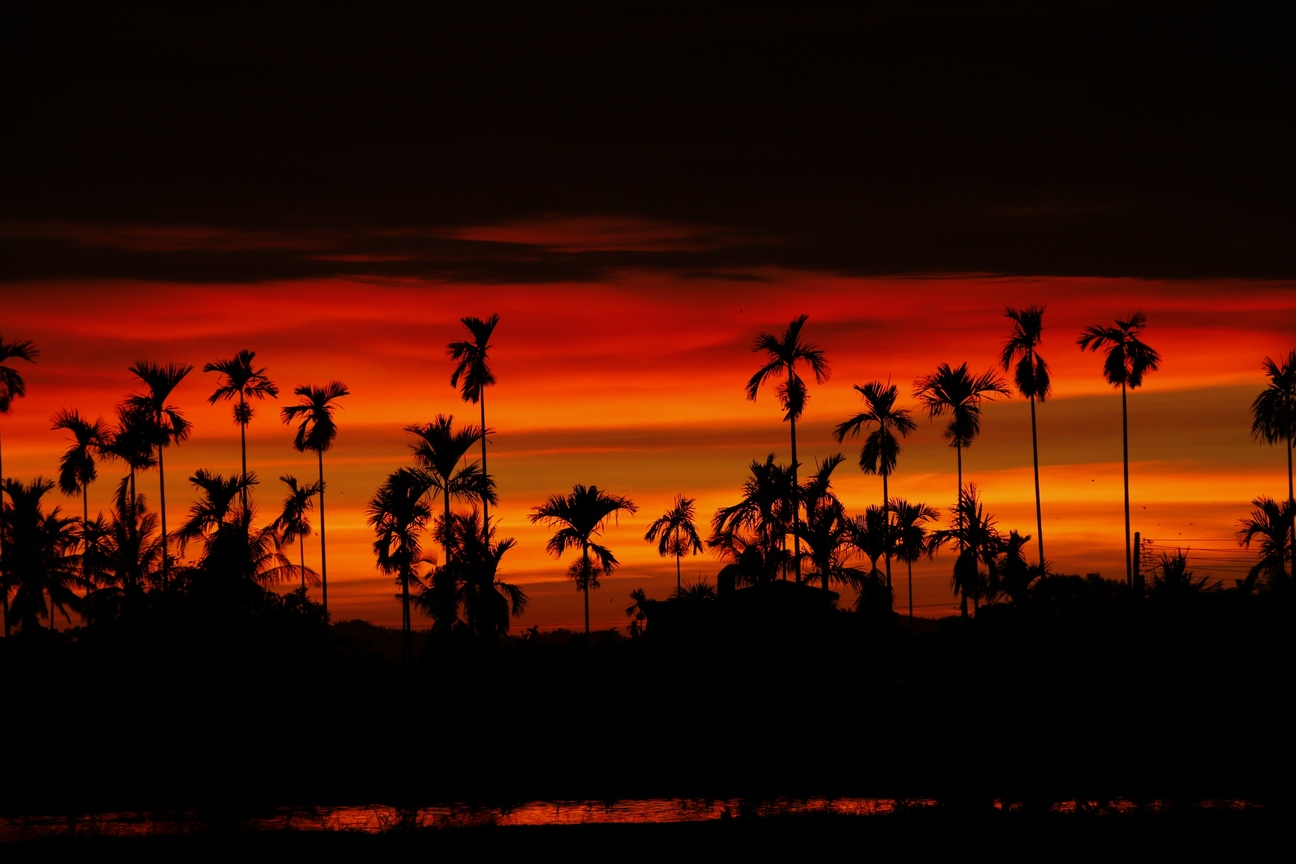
(1101, 139)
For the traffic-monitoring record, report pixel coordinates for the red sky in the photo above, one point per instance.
(634, 383)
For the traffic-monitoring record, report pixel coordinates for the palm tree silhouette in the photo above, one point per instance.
(129, 442)
(827, 531)
(579, 516)
(957, 393)
(1274, 413)
(475, 375)
(316, 432)
(675, 533)
(979, 543)
(398, 513)
(77, 467)
(467, 590)
(292, 524)
(438, 450)
(12, 387)
(872, 535)
(1128, 360)
(760, 519)
(1031, 374)
(42, 567)
(909, 536)
(637, 611)
(782, 356)
(164, 423)
(881, 449)
(243, 381)
(1271, 523)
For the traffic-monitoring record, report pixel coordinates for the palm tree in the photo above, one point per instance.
(42, 566)
(637, 611)
(245, 382)
(881, 449)
(872, 535)
(579, 516)
(438, 450)
(957, 393)
(165, 423)
(467, 590)
(1274, 411)
(398, 513)
(675, 533)
(828, 532)
(476, 375)
(1031, 374)
(759, 522)
(909, 536)
(1128, 360)
(1271, 523)
(77, 467)
(979, 544)
(782, 356)
(129, 442)
(316, 431)
(292, 524)
(12, 386)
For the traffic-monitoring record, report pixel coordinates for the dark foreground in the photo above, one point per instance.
(1261, 835)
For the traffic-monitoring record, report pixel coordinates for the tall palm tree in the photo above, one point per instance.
(957, 393)
(438, 450)
(398, 513)
(1128, 360)
(77, 467)
(42, 567)
(316, 432)
(1031, 375)
(241, 380)
(675, 533)
(781, 358)
(471, 355)
(165, 423)
(1271, 523)
(129, 442)
(12, 386)
(979, 543)
(580, 516)
(909, 536)
(292, 524)
(1274, 411)
(881, 449)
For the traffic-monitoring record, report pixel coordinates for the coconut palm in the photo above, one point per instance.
(77, 467)
(1274, 413)
(241, 380)
(781, 358)
(827, 532)
(873, 536)
(292, 524)
(1011, 575)
(164, 423)
(1128, 360)
(675, 533)
(1031, 375)
(398, 513)
(1270, 523)
(316, 431)
(476, 376)
(637, 611)
(909, 536)
(979, 543)
(130, 442)
(12, 386)
(42, 566)
(467, 592)
(757, 526)
(881, 449)
(438, 450)
(580, 516)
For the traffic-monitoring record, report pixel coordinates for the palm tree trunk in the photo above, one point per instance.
(958, 509)
(1129, 555)
(886, 527)
(406, 650)
(243, 441)
(796, 508)
(1039, 513)
(1291, 504)
(323, 546)
(678, 581)
(162, 499)
(485, 476)
(85, 518)
(4, 588)
(911, 620)
(301, 551)
(585, 585)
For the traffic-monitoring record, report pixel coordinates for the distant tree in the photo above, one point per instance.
(398, 513)
(979, 542)
(828, 533)
(1031, 374)
(41, 568)
(12, 387)
(700, 591)
(873, 536)
(240, 379)
(675, 533)
(781, 358)
(474, 373)
(881, 449)
(467, 591)
(580, 516)
(316, 432)
(637, 611)
(438, 450)
(760, 521)
(910, 538)
(1274, 413)
(1128, 360)
(1270, 523)
(292, 523)
(1012, 575)
(164, 423)
(1173, 582)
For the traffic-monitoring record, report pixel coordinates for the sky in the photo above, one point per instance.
(638, 194)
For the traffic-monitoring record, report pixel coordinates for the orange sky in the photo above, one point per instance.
(634, 382)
